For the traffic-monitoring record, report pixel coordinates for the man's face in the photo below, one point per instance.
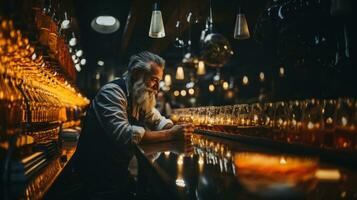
(145, 88)
(153, 79)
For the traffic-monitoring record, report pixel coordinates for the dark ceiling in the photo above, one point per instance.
(134, 16)
(315, 47)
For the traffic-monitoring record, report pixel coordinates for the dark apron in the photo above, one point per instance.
(102, 163)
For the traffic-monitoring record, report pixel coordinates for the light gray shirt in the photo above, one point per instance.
(110, 106)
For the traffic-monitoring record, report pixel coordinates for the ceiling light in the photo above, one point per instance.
(79, 53)
(73, 40)
(179, 73)
(211, 87)
(83, 61)
(176, 93)
(157, 29)
(245, 80)
(100, 63)
(281, 71)
(201, 68)
(76, 61)
(261, 76)
(66, 24)
(78, 67)
(225, 85)
(241, 30)
(105, 24)
(168, 80)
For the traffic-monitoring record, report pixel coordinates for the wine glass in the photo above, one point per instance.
(345, 126)
(329, 121)
(281, 121)
(268, 119)
(295, 122)
(312, 125)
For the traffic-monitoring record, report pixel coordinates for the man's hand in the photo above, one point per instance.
(182, 131)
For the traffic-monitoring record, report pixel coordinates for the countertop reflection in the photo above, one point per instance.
(214, 168)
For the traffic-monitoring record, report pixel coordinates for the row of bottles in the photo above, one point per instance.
(54, 39)
(32, 90)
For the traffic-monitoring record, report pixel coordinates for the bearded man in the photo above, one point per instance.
(121, 115)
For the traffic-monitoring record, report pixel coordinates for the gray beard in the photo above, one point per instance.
(143, 97)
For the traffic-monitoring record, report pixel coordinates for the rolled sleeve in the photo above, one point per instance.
(110, 106)
(156, 120)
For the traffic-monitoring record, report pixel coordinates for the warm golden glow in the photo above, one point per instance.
(245, 80)
(176, 93)
(167, 80)
(180, 160)
(281, 71)
(344, 121)
(180, 75)
(282, 161)
(183, 93)
(201, 68)
(261, 76)
(191, 91)
(211, 87)
(225, 85)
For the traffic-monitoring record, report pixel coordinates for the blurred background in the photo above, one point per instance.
(287, 49)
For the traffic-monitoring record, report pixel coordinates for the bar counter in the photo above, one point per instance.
(38, 186)
(210, 167)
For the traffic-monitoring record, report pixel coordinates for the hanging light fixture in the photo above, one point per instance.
(73, 40)
(245, 80)
(79, 53)
(201, 68)
(261, 76)
(241, 30)
(78, 67)
(65, 24)
(281, 72)
(180, 75)
(157, 29)
(167, 80)
(211, 87)
(83, 61)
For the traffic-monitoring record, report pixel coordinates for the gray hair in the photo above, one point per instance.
(141, 63)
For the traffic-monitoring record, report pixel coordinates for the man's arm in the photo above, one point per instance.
(157, 121)
(110, 107)
(173, 133)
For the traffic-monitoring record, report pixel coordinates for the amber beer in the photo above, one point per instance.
(345, 138)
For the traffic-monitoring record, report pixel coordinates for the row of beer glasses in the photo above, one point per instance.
(325, 123)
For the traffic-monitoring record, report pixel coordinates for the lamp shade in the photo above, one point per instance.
(167, 80)
(241, 30)
(179, 73)
(201, 68)
(157, 29)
